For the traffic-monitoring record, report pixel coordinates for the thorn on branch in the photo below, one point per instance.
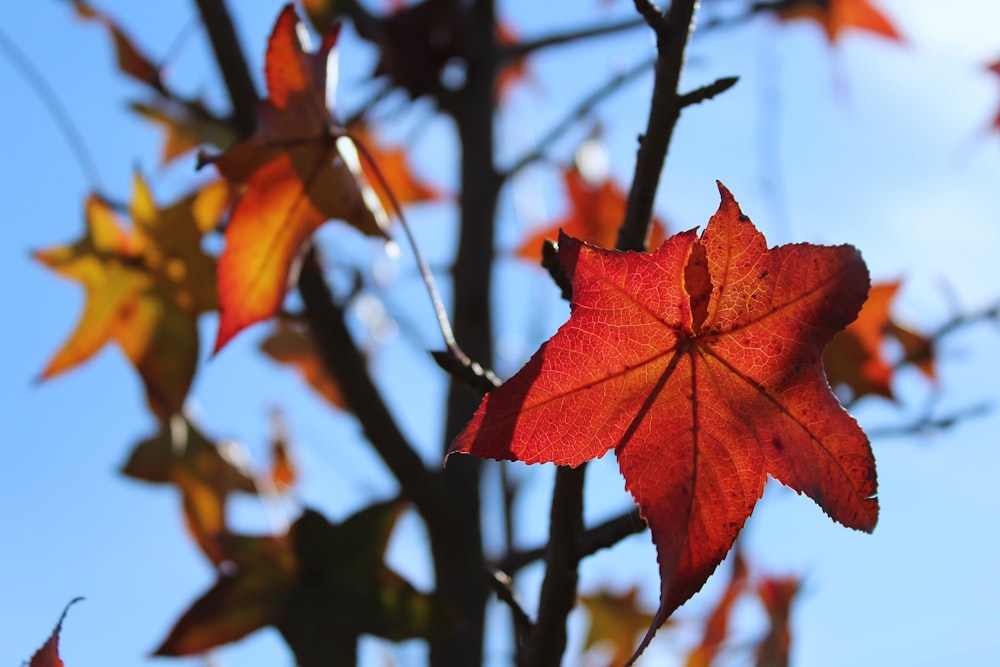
(707, 92)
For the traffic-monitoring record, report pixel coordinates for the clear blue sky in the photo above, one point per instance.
(872, 143)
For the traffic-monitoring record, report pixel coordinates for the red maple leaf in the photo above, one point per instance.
(48, 654)
(700, 365)
(596, 212)
(296, 175)
(835, 16)
(994, 68)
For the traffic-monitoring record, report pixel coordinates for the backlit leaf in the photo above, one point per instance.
(204, 472)
(187, 126)
(320, 576)
(716, 628)
(394, 165)
(837, 16)
(131, 60)
(48, 654)
(145, 288)
(777, 594)
(596, 211)
(291, 342)
(294, 176)
(700, 366)
(616, 621)
(856, 356)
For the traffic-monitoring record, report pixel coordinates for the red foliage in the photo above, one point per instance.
(700, 365)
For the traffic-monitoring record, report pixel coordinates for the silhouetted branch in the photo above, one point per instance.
(929, 423)
(547, 641)
(585, 106)
(509, 53)
(232, 63)
(605, 534)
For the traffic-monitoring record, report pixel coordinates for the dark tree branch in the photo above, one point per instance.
(341, 356)
(512, 52)
(929, 423)
(705, 93)
(547, 641)
(577, 114)
(649, 12)
(672, 34)
(458, 560)
(232, 63)
(605, 534)
(562, 555)
(503, 587)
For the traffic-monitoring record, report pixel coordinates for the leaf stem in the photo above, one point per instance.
(440, 313)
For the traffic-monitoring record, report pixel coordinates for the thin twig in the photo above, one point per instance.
(705, 93)
(444, 324)
(605, 534)
(51, 102)
(929, 423)
(586, 105)
(503, 587)
(510, 53)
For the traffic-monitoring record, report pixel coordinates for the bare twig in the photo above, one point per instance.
(509, 53)
(929, 423)
(483, 377)
(585, 106)
(605, 534)
(562, 555)
(503, 586)
(341, 356)
(704, 93)
(51, 102)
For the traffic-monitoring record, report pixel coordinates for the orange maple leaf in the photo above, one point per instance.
(131, 61)
(393, 163)
(295, 175)
(596, 211)
(145, 288)
(291, 342)
(856, 356)
(836, 16)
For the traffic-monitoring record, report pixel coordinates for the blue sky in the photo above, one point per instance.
(871, 143)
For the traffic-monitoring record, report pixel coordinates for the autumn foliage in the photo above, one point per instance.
(707, 364)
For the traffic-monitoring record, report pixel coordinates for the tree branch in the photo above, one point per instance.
(337, 349)
(605, 534)
(232, 63)
(585, 106)
(547, 641)
(341, 356)
(512, 52)
(672, 34)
